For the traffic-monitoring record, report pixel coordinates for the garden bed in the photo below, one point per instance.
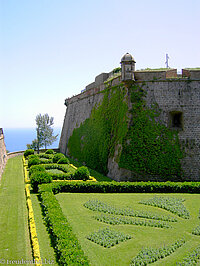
(157, 226)
(55, 165)
(141, 236)
(126, 223)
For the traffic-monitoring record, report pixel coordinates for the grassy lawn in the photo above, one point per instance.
(14, 233)
(83, 224)
(46, 251)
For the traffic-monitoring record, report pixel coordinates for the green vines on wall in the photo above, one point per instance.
(95, 140)
(149, 149)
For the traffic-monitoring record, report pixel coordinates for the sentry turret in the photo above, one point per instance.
(128, 67)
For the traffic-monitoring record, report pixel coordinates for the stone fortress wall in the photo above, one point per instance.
(3, 153)
(178, 97)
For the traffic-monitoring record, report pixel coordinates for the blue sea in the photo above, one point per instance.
(17, 138)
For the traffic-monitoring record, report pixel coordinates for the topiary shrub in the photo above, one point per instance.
(33, 161)
(45, 155)
(45, 161)
(49, 151)
(63, 161)
(57, 157)
(32, 156)
(39, 177)
(36, 168)
(82, 173)
(28, 152)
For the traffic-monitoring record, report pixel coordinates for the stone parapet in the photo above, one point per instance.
(3, 153)
(101, 78)
(193, 74)
(147, 75)
(90, 86)
(140, 75)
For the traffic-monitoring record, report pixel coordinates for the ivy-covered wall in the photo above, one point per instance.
(94, 141)
(149, 149)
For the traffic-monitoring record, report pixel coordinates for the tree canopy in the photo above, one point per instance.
(44, 131)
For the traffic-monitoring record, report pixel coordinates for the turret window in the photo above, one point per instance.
(176, 120)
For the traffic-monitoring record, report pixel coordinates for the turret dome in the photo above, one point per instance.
(127, 58)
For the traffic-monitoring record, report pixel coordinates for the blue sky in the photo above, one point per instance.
(51, 49)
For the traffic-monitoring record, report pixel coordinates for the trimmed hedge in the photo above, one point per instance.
(63, 161)
(45, 161)
(39, 177)
(65, 243)
(45, 155)
(59, 167)
(62, 176)
(82, 173)
(67, 175)
(36, 168)
(32, 156)
(49, 151)
(28, 152)
(57, 157)
(123, 187)
(42, 158)
(56, 166)
(33, 161)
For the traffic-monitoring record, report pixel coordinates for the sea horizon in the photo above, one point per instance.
(16, 139)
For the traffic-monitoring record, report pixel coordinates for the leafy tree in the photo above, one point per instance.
(33, 145)
(44, 131)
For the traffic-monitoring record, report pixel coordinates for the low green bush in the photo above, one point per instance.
(100, 206)
(36, 168)
(46, 156)
(68, 174)
(33, 161)
(150, 255)
(64, 241)
(97, 175)
(39, 177)
(56, 166)
(108, 237)
(62, 176)
(28, 152)
(114, 219)
(63, 161)
(32, 156)
(196, 231)
(124, 187)
(82, 173)
(191, 258)
(57, 157)
(49, 151)
(171, 204)
(45, 161)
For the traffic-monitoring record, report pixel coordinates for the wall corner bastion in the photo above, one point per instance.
(176, 95)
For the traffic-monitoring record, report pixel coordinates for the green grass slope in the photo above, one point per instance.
(14, 234)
